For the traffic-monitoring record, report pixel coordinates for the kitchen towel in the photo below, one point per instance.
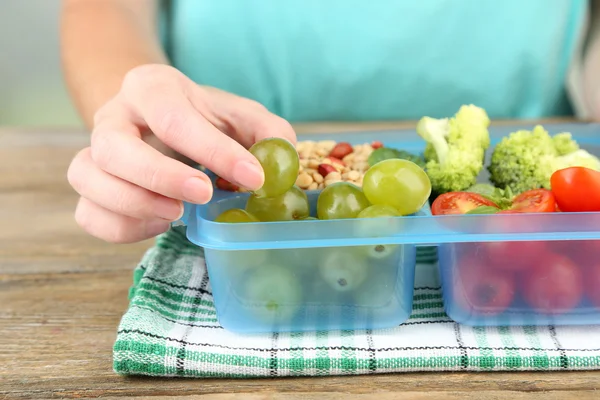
(171, 329)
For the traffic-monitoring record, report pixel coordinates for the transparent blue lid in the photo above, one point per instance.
(419, 229)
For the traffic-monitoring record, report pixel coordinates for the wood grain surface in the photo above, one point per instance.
(62, 294)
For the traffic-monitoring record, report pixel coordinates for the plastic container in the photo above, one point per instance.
(310, 275)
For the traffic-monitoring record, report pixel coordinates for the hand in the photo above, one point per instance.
(129, 190)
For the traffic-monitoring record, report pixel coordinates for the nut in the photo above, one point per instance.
(313, 163)
(376, 144)
(349, 158)
(304, 163)
(314, 185)
(341, 150)
(360, 157)
(317, 177)
(361, 166)
(353, 175)
(326, 169)
(326, 144)
(321, 152)
(304, 180)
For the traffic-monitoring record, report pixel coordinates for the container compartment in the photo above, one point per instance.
(265, 276)
(521, 282)
(356, 287)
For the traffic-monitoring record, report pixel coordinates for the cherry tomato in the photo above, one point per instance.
(554, 285)
(479, 289)
(534, 201)
(576, 189)
(582, 252)
(514, 256)
(223, 184)
(592, 283)
(459, 203)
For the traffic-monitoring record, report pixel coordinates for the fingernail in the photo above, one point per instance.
(197, 190)
(156, 227)
(168, 209)
(248, 175)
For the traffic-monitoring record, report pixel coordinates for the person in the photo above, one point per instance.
(166, 85)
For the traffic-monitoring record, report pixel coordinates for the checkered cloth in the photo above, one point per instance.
(171, 329)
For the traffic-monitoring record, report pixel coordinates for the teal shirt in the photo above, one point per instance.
(381, 59)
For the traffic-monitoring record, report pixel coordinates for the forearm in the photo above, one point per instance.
(102, 40)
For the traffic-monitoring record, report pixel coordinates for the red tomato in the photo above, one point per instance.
(576, 189)
(459, 203)
(481, 290)
(223, 184)
(534, 201)
(554, 285)
(583, 252)
(514, 256)
(592, 283)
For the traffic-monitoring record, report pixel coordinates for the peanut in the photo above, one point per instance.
(313, 186)
(318, 178)
(313, 163)
(304, 180)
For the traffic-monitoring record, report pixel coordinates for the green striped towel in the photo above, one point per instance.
(170, 329)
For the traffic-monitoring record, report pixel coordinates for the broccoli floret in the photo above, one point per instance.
(526, 160)
(564, 143)
(455, 148)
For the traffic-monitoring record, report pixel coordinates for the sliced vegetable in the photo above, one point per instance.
(459, 203)
(577, 189)
(534, 201)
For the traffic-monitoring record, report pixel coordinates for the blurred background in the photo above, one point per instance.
(32, 90)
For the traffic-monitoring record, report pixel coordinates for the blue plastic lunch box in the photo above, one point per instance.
(359, 274)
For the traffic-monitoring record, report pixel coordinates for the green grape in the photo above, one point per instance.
(236, 263)
(290, 206)
(379, 251)
(341, 200)
(236, 215)
(377, 211)
(342, 270)
(377, 291)
(272, 293)
(280, 163)
(398, 183)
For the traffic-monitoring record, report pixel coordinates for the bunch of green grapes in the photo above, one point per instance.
(279, 199)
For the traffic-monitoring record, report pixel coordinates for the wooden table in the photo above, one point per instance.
(62, 294)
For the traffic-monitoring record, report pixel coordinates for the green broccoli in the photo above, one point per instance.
(526, 160)
(455, 148)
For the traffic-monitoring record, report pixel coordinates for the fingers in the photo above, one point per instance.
(177, 123)
(116, 228)
(245, 120)
(118, 195)
(120, 152)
